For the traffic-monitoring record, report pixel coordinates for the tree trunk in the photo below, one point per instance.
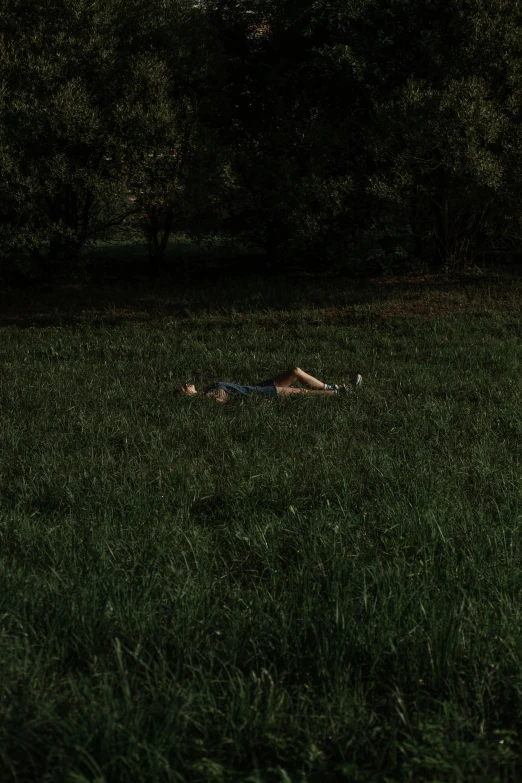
(442, 238)
(158, 238)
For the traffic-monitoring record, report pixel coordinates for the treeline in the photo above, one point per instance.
(357, 134)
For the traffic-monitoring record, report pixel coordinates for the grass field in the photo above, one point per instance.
(305, 589)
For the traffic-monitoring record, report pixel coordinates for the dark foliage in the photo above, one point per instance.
(349, 134)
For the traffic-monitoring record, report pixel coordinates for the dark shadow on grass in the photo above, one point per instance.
(230, 289)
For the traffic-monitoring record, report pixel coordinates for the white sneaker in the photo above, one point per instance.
(355, 381)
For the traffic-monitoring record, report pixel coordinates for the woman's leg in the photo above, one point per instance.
(296, 374)
(287, 391)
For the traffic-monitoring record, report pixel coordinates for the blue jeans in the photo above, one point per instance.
(264, 387)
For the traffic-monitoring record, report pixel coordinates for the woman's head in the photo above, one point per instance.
(188, 388)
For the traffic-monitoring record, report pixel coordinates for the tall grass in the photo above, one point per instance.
(301, 589)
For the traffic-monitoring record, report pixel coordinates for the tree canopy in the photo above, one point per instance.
(354, 133)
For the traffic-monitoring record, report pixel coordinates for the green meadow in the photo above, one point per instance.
(304, 589)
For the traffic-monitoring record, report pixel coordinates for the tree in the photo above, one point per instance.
(172, 166)
(88, 88)
(296, 147)
(451, 158)
(363, 130)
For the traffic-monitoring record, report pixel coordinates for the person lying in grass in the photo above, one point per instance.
(279, 385)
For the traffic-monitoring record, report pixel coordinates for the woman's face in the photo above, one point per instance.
(188, 388)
